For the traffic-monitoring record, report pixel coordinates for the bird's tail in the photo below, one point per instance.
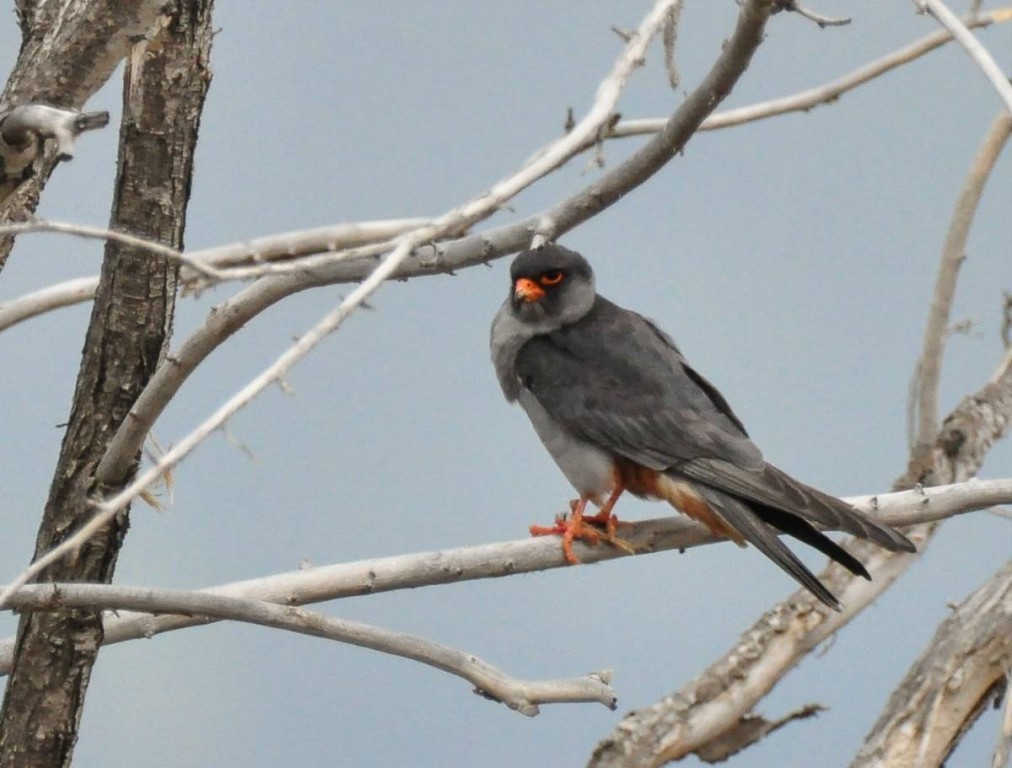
(757, 525)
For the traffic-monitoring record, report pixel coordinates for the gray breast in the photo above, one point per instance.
(587, 467)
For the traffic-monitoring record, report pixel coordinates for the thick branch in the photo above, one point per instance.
(716, 701)
(522, 695)
(311, 585)
(950, 683)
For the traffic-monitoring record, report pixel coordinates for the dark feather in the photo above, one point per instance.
(774, 488)
(764, 538)
(803, 531)
(614, 381)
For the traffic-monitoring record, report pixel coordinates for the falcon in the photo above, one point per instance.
(620, 409)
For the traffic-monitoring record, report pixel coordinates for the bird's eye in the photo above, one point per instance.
(551, 277)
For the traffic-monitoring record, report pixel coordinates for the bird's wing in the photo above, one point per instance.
(614, 380)
(772, 487)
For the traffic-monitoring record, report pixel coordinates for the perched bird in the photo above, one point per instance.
(620, 409)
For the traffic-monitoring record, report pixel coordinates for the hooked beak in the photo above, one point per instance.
(527, 290)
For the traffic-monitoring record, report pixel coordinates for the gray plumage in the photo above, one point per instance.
(601, 383)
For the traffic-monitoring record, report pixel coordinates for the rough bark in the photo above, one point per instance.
(949, 685)
(165, 83)
(69, 48)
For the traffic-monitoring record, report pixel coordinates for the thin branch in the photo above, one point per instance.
(499, 241)
(818, 18)
(670, 39)
(978, 53)
(65, 294)
(523, 696)
(828, 93)
(109, 235)
(338, 237)
(461, 217)
(929, 366)
(292, 245)
(331, 582)
(949, 684)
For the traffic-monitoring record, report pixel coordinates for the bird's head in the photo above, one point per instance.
(551, 286)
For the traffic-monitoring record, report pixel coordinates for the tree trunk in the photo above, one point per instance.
(165, 82)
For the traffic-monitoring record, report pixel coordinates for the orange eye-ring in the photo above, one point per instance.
(552, 277)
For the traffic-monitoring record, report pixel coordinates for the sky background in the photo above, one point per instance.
(792, 259)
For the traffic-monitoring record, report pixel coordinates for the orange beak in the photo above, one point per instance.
(526, 289)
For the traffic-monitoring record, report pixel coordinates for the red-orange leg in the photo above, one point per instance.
(577, 526)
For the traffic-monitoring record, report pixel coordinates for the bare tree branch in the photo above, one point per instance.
(22, 131)
(949, 684)
(287, 245)
(818, 18)
(123, 238)
(670, 43)
(496, 242)
(936, 332)
(523, 696)
(331, 582)
(828, 93)
(980, 55)
(65, 294)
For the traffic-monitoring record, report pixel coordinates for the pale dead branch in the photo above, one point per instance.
(29, 122)
(331, 582)
(827, 93)
(524, 696)
(977, 52)
(949, 684)
(924, 406)
(820, 19)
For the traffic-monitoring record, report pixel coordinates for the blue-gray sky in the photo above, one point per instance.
(793, 261)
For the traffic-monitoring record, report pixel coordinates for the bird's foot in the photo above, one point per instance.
(592, 529)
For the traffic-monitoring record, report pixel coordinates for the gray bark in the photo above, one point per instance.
(164, 89)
